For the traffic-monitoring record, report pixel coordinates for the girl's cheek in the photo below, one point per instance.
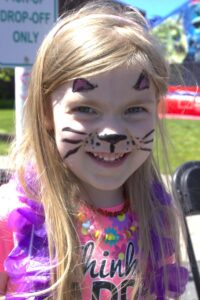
(138, 128)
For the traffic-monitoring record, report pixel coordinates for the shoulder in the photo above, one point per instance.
(8, 202)
(8, 199)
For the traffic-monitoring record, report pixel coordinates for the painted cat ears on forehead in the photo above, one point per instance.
(81, 84)
(142, 82)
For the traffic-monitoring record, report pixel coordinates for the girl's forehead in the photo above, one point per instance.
(126, 78)
(131, 73)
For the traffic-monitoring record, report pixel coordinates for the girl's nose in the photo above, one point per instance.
(112, 138)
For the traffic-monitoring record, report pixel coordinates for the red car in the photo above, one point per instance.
(183, 102)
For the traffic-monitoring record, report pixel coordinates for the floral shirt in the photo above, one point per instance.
(110, 250)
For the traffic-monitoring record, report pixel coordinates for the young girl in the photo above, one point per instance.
(86, 215)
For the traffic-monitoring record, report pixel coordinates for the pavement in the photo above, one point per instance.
(4, 162)
(190, 293)
(194, 228)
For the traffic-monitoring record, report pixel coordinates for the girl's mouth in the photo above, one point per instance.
(108, 159)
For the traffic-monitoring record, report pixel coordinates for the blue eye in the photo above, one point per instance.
(134, 110)
(84, 110)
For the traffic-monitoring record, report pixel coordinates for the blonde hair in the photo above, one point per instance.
(97, 38)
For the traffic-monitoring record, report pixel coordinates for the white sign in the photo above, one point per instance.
(22, 77)
(23, 25)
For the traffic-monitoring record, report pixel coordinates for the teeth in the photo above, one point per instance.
(108, 157)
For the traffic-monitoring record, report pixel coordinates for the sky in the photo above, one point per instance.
(156, 7)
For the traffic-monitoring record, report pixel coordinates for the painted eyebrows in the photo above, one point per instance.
(142, 82)
(82, 85)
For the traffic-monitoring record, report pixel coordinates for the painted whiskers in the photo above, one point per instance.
(108, 143)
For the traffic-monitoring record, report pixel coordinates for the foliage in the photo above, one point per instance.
(6, 104)
(6, 87)
(6, 74)
(172, 35)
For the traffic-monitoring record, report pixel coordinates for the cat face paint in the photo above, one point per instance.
(107, 143)
(142, 82)
(104, 125)
(82, 85)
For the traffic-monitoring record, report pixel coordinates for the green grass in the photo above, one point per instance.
(7, 104)
(4, 147)
(184, 138)
(7, 126)
(183, 143)
(7, 121)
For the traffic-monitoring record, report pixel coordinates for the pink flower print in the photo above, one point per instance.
(135, 237)
(120, 221)
(111, 236)
(124, 220)
(85, 227)
(81, 217)
(119, 251)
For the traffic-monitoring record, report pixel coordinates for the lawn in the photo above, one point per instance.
(185, 139)
(7, 121)
(184, 143)
(7, 126)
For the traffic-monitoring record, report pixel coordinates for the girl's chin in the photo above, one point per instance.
(104, 185)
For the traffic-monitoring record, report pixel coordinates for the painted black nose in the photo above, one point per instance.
(113, 138)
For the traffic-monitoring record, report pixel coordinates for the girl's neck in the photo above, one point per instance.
(102, 198)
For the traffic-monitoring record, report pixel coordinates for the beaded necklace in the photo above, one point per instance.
(108, 235)
(108, 213)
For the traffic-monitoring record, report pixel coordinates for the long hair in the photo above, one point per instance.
(97, 38)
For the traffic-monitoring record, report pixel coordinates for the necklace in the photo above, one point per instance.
(108, 213)
(122, 227)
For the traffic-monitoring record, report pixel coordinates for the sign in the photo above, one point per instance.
(22, 77)
(23, 25)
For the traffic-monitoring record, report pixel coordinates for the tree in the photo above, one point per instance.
(171, 34)
(6, 74)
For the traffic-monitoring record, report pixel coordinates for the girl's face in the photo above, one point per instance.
(104, 125)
